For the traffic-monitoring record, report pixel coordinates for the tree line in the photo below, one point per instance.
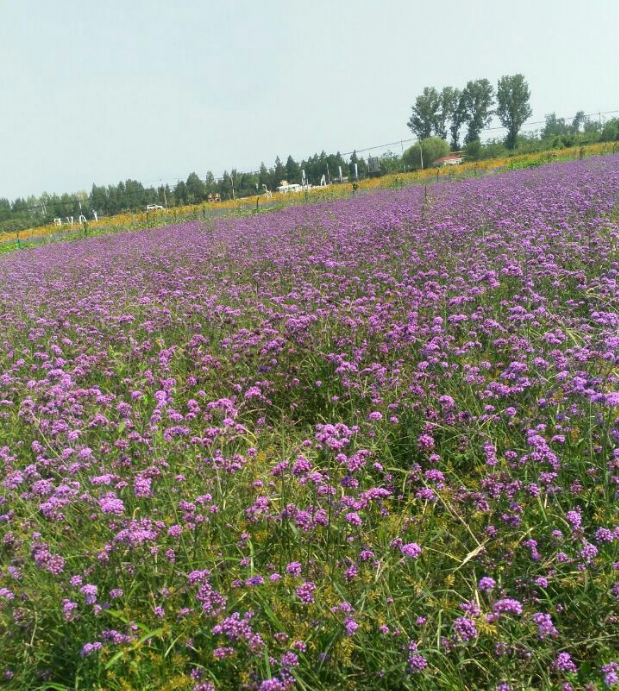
(438, 118)
(443, 113)
(439, 113)
(131, 195)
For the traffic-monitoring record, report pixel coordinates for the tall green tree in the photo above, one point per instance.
(293, 170)
(513, 110)
(449, 102)
(591, 126)
(610, 132)
(457, 118)
(5, 209)
(181, 195)
(478, 99)
(426, 116)
(554, 126)
(322, 165)
(196, 189)
(225, 185)
(390, 162)
(578, 122)
(134, 194)
(362, 167)
(310, 166)
(99, 199)
(335, 162)
(279, 173)
(164, 195)
(264, 177)
(248, 182)
(210, 184)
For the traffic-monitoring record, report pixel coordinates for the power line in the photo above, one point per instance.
(138, 198)
(401, 142)
(486, 129)
(543, 122)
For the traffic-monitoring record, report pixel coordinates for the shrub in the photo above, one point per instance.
(433, 148)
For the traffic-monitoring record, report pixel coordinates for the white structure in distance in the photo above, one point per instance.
(286, 188)
(69, 220)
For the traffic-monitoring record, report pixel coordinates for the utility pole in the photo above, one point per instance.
(232, 179)
(420, 151)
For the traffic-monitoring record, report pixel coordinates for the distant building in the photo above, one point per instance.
(450, 160)
(285, 187)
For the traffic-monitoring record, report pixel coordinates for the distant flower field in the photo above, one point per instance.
(363, 444)
(247, 205)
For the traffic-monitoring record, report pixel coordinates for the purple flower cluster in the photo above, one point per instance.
(342, 444)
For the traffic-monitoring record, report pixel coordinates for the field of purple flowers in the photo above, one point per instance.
(372, 444)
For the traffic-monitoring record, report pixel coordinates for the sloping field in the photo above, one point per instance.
(371, 444)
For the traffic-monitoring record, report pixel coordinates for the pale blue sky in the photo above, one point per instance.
(148, 89)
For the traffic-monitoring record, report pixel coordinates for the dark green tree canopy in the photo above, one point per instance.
(196, 189)
(478, 99)
(578, 122)
(426, 116)
(610, 131)
(459, 117)
(361, 165)
(432, 149)
(293, 170)
(554, 126)
(513, 105)
(449, 104)
(279, 173)
(591, 126)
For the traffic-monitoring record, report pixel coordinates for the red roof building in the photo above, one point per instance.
(450, 160)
